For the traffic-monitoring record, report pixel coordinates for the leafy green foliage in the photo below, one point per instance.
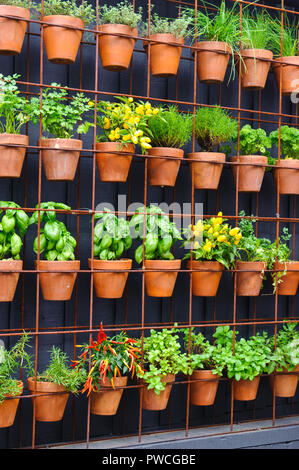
(60, 373)
(162, 356)
(17, 3)
(178, 27)
(170, 128)
(213, 126)
(160, 233)
(256, 27)
(289, 141)
(84, 10)
(252, 248)
(111, 236)
(122, 13)
(10, 362)
(286, 353)
(15, 110)
(61, 115)
(13, 226)
(55, 240)
(289, 36)
(252, 141)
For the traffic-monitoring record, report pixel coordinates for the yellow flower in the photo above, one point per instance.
(145, 139)
(111, 136)
(216, 234)
(139, 133)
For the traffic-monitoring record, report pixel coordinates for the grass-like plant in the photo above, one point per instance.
(256, 27)
(213, 126)
(83, 10)
(178, 27)
(122, 13)
(289, 36)
(17, 3)
(170, 128)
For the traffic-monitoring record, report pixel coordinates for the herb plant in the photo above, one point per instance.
(256, 27)
(111, 236)
(17, 3)
(15, 110)
(252, 141)
(13, 226)
(280, 252)
(289, 36)
(84, 10)
(289, 141)
(56, 242)
(170, 128)
(252, 248)
(122, 13)
(286, 353)
(213, 126)
(61, 114)
(213, 240)
(160, 233)
(178, 27)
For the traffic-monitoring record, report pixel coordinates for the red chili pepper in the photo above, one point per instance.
(112, 350)
(101, 336)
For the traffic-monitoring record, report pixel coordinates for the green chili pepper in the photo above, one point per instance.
(52, 231)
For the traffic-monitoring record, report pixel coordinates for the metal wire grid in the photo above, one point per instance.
(263, 117)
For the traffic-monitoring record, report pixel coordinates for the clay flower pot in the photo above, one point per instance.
(116, 51)
(57, 285)
(106, 401)
(12, 30)
(110, 285)
(284, 384)
(12, 158)
(60, 164)
(114, 167)
(48, 408)
(250, 283)
(153, 402)
(203, 392)
(9, 279)
(9, 408)
(161, 284)
(290, 74)
(212, 61)
(205, 281)
(250, 176)
(164, 58)
(288, 284)
(245, 390)
(61, 41)
(288, 173)
(206, 174)
(254, 72)
(164, 171)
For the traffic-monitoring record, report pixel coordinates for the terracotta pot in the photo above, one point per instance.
(250, 283)
(212, 64)
(9, 280)
(57, 285)
(110, 285)
(60, 164)
(290, 74)
(106, 401)
(284, 384)
(250, 177)
(254, 72)
(61, 42)
(245, 390)
(114, 167)
(153, 402)
(12, 30)
(206, 281)
(288, 284)
(161, 284)
(203, 392)
(12, 158)
(9, 408)
(288, 173)
(116, 51)
(48, 408)
(164, 171)
(206, 174)
(165, 58)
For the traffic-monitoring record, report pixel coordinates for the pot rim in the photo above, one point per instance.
(118, 26)
(67, 18)
(25, 11)
(31, 385)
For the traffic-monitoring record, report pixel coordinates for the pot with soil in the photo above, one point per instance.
(153, 402)
(161, 283)
(59, 284)
(12, 158)
(164, 56)
(212, 61)
(8, 409)
(287, 74)
(50, 406)
(106, 401)
(60, 158)
(255, 68)
(164, 171)
(249, 282)
(114, 167)
(203, 391)
(288, 277)
(206, 277)
(284, 383)
(245, 390)
(250, 176)
(13, 29)
(288, 173)
(110, 285)
(9, 279)
(116, 50)
(207, 169)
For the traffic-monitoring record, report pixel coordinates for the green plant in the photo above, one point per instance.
(252, 248)
(289, 36)
(252, 141)
(111, 236)
(162, 356)
(84, 10)
(122, 13)
(15, 110)
(17, 3)
(160, 234)
(60, 373)
(213, 126)
(61, 115)
(289, 141)
(170, 128)
(55, 240)
(285, 350)
(178, 27)
(110, 357)
(12, 221)
(212, 240)
(10, 362)
(279, 252)
(256, 27)
(248, 359)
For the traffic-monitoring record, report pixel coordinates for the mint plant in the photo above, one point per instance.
(111, 236)
(285, 352)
